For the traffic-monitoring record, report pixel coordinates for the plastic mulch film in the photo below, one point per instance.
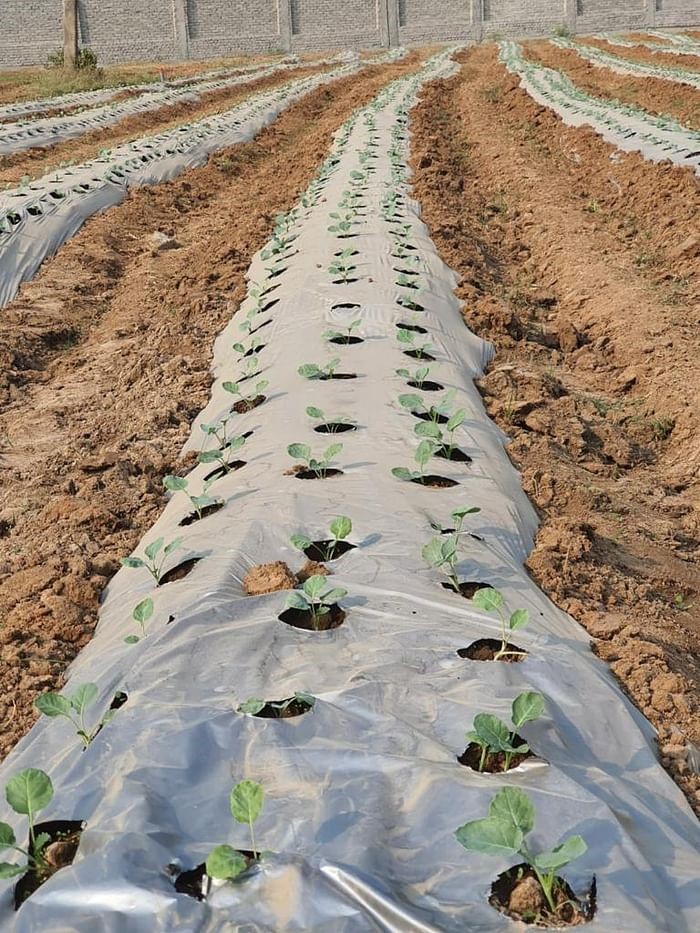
(38, 217)
(628, 128)
(681, 40)
(626, 66)
(17, 137)
(364, 790)
(654, 46)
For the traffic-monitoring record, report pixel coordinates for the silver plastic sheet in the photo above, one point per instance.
(364, 792)
(626, 66)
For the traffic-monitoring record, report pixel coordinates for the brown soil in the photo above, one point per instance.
(269, 578)
(583, 272)
(302, 619)
(643, 54)
(518, 894)
(651, 94)
(37, 162)
(486, 649)
(495, 761)
(60, 851)
(104, 361)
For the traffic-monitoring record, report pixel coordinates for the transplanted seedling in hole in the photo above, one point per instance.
(433, 430)
(493, 736)
(246, 401)
(334, 424)
(246, 803)
(409, 339)
(222, 456)
(339, 529)
(141, 614)
(314, 371)
(27, 793)
(442, 553)
(511, 817)
(491, 600)
(439, 413)
(73, 708)
(254, 347)
(342, 267)
(253, 705)
(155, 556)
(217, 429)
(344, 336)
(419, 378)
(199, 503)
(315, 598)
(320, 467)
(424, 452)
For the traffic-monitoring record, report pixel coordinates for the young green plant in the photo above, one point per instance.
(442, 553)
(315, 598)
(246, 803)
(141, 614)
(222, 458)
(253, 705)
(491, 600)
(73, 708)
(343, 336)
(334, 424)
(199, 503)
(493, 736)
(27, 793)
(234, 388)
(424, 452)
(511, 817)
(156, 554)
(339, 529)
(314, 371)
(320, 467)
(442, 438)
(409, 339)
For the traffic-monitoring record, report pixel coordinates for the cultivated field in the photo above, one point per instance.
(349, 456)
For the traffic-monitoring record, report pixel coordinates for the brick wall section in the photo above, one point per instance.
(122, 30)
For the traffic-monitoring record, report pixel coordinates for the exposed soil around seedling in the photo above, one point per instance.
(220, 472)
(196, 883)
(312, 474)
(276, 709)
(428, 416)
(427, 386)
(434, 481)
(58, 853)
(494, 764)
(246, 405)
(486, 649)
(318, 550)
(326, 378)
(466, 589)
(269, 578)
(334, 427)
(205, 512)
(180, 572)
(301, 618)
(346, 341)
(417, 355)
(518, 894)
(452, 453)
(583, 272)
(416, 328)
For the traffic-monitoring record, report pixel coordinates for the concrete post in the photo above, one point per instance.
(182, 29)
(70, 33)
(477, 19)
(388, 16)
(571, 15)
(284, 24)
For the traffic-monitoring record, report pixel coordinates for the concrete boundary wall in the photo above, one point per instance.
(121, 30)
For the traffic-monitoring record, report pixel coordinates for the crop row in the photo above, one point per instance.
(628, 66)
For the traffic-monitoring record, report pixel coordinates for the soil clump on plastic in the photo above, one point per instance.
(580, 263)
(104, 364)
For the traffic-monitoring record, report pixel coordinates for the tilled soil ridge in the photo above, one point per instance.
(582, 270)
(105, 361)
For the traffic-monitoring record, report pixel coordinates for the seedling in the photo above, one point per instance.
(314, 371)
(491, 600)
(441, 552)
(339, 529)
(409, 339)
(511, 817)
(432, 430)
(458, 516)
(343, 225)
(342, 267)
(217, 429)
(440, 413)
(405, 281)
(418, 379)
(343, 336)
(221, 457)
(253, 705)
(315, 599)
(253, 348)
(246, 803)
(141, 614)
(335, 424)
(27, 793)
(73, 708)
(155, 555)
(424, 452)
(319, 467)
(492, 735)
(246, 401)
(199, 503)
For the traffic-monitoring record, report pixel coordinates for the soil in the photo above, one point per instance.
(334, 427)
(648, 56)
(486, 649)
(302, 618)
(245, 405)
(466, 589)
(318, 550)
(452, 453)
(193, 517)
(434, 481)
(180, 571)
(583, 271)
(104, 362)
(58, 853)
(655, 95)
(426, 386)
(276, 709)
(495, 761)
(37, 162)
(269, 578)
(312, 474)
(518, 894)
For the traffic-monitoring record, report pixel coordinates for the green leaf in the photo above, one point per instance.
(300, 542)
(341, 527)
(313, 586)
(456, 420)
(402, 473)
(29, 791)
(8, 870)
(490, 836)
(236, 443)
(40, 843)
(488, 599)
(424, 452)
(247, 801)
(493, 731)
(313, 412)
(209, 456)
(428, 429)
(412, 402)
(201, 502)
(332, 451)
(53, 704)
(572, 848)
(174, 483)
(152, 549)
(296, 600)
(518, 619)
(512, 805)
(404, 373)
(527, 707)
(309, 371)
(132, 562)
(7, 836)
(83, 696)
(231, 387)
(173, 546)
(432, 552)
(225, 863)
(143, 610)
(299, 451)
(132, 639)
(332, 596)
(305, 697)
(261, 386)
(252, 706)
